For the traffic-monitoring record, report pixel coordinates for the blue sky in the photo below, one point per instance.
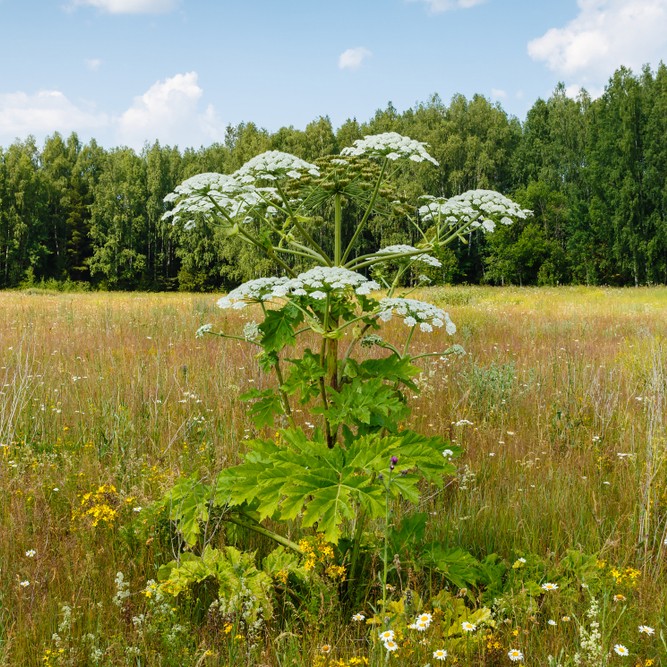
(130, 71)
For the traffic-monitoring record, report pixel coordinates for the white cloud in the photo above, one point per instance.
(439, 6)
(603, 36)
(498, 94)
(93, 64)
(353, 58)
(169, 111)
(128, 6)
(42, 113)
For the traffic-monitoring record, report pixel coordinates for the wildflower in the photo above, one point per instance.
(479, 208)
(271, 164)
(336, 571)
(414, 311)
(252, 291)
(326, 648)
(390, 145)
(549, 587)
(621, 650)
(566, 619)
(424, 618)
(619, 597)
(24, 584)
(646, 630)
(31, 553)
(251, 331)
(519, 562)
(390, 645)
(329, 278)
(386, 635)
(203, 329)
(440, 654)
(358, 617)
(515, 655)
(419, 626)
(447, 453)
(551, 622)
(466, 626)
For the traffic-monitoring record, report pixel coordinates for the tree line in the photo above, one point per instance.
(593, 171)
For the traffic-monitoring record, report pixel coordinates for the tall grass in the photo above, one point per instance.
(559, 403)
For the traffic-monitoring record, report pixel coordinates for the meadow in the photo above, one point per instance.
(559, 404)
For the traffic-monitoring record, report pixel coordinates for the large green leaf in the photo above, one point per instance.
(234, 572)
(366, 403)
(390, 369)
(304, 376)
(278, 327)
(299, 477)
(188, 504)
(266, 406)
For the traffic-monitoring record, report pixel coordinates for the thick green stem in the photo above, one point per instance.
(356, 542)
(338, 229)
(407, 342)
(329, 361)
(266, 532)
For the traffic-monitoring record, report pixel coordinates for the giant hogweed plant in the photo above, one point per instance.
(309, 220)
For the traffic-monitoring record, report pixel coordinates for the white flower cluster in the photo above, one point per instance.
(251, 331)
(271, 164)
(207, 192)
(315, 283)
(254, 291)
(235, 193)
(414, 312)
(203, 329)
(482, 208)
(390, 145)
(402, 249)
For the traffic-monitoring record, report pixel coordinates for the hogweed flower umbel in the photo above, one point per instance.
(474, 209)
(390, 145)
(415, 312)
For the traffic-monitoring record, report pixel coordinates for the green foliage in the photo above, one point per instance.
(187, 506)
(298, 476)
(233, 573)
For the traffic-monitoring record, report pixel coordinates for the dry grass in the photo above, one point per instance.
(565, 389)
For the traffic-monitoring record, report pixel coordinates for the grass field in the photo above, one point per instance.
(560, 405)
